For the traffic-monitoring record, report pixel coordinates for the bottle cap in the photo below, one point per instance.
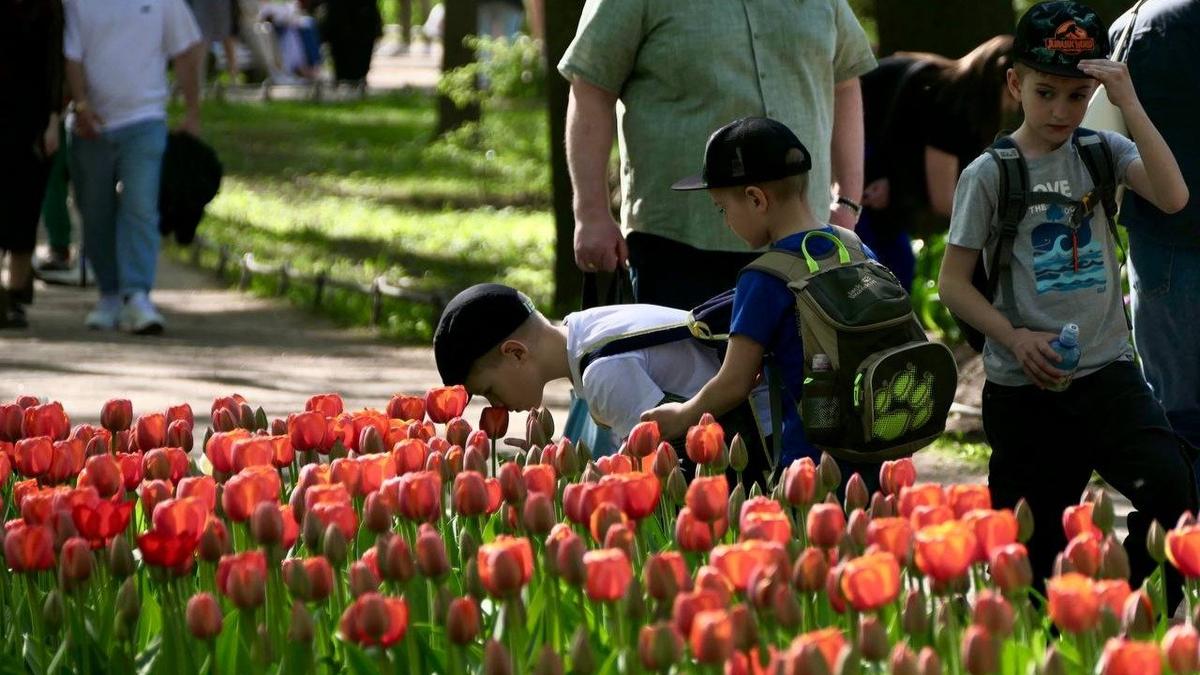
(1069, 337)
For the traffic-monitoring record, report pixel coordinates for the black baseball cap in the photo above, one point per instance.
(474, 322)
(1052, 37)
(746, 151)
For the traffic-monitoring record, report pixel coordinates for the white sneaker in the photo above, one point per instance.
(139, 316)
(104, 316)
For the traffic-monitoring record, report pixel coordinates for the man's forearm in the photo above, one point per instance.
(846, 148)
(590, 130)
(187, 70)
(75, 81)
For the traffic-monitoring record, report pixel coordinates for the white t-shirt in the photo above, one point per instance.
(124, 46)
(619, 388)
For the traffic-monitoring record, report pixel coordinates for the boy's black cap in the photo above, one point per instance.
(746, 151)
(1053, 37)
(474, 322)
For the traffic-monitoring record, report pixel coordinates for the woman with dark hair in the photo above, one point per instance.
(926, 118)
(31, 86)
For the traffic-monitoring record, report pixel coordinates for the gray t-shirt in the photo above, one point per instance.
(1058, 276)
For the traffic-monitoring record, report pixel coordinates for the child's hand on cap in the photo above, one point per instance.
(1114, 75)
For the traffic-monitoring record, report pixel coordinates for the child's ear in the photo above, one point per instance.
(758, 198)
(1013, 79)
(514, 349)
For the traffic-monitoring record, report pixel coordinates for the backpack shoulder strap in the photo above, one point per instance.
(630, 342)
(852, 243)
(784, 265)
(1098, 158)
(1010, 206)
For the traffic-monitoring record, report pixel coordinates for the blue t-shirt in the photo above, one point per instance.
(764, 310)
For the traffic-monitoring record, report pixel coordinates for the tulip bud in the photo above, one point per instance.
(660, 580)
(203, 616)
(857, 496)
(1137, 617)
(880, 507)
(1114, 561)
(1053, 663)
(538, 514)
(223, 420)
(928, 662)
(810, 570)
(333, 544)
(980, 655)
(97, 446)
(829, 472)
(1102, 511)
(546, 420)
(512, 483)
(1181, 646)
(915, 618)
(313, 531)
(849, 661)
(129, 606)
(659, 646)
(548, 663)
(432, 562)
(302, 628)
(739, 456)
(75, 562)
(266, 524)
(496, 660)
(362, 579)
(1025, 522)
(903, 661)
(179, 435)
(369, 441)
(1156, 542)
(786, 608)
(472, 583)
(635, 602)
(462, 620)
(376, 515)
(993, 612)
(1063, 565)
(583, 659)
(52, 610)
(120, 558)
(856, 528)
(872, 639)
(677, 487)
(737, 497)
(591, 473)
(295, 577)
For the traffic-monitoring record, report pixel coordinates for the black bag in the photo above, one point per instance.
(191, 177)
(1015, 197)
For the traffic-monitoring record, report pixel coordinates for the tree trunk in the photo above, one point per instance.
(461, 21)
(947, 27)
(562, 18)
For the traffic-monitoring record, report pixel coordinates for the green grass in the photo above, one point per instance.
(973, 452)
(362, 189)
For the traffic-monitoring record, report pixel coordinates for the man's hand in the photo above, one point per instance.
(191, 124)
(1036, 357)
(1114, 75)
(842, 216)
(599, 244)
(877, 194)
(673, 419)
(50, 137)
(87, 123)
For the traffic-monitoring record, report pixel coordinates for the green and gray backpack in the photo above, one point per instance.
(893, 386)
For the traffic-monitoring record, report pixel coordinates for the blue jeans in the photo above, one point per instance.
(120, 231)
(1166, 327)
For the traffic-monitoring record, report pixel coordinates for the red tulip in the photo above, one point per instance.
(33, 455)
(659, 646)
(945, 551)
(131, 469)
(181, 413)
(688, 604)
(317, 576)
(470, 494)
(45, 420)
(307, 430)
(693, 534)
(242, 578)
(1073, 603)
(104, 474)
(665, 574)
(1129, 657)
(203, 488)
(28, 548)
(346, 472)
(605, 517)
(409, 455)
(403, 407)
(329, 405)
(220, 449)
(1183, 550)
(150, 493)
(871, 581)
(151, 431)
(993, 529)
(164, 550)
(708, 497)
(340, 514)
(431, 553)
(968, 497)
(11, 418)
(334, 493)
(595, 494)
(375, 620)
(462, 620)
(494, 422)
(245, 490)
(712, 636)
(800, 482)
(1112, 593)
(924, 494)
(373, 471)
(418, 495)
(540, 478)
(5, 462)
(706, 441)
(1084, 553)
(101, 521)
(1010, 568)
(494, 494)
(1078, 518)
(203, 616)
(640, 492)
(608, 574)
(893, 535)
(116, 415)
(1181, 645)
(826, 524)
(644, 439)
(183, 518)
(896, 475)
(445, 403)
(75, 561)
(763, 518)
(738, 561)
(828, 641)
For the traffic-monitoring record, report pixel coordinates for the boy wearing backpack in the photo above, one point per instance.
(1039, 205)
(620, 359)
(755, 172)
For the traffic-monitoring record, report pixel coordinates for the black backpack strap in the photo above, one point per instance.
(1098, 158)
(1011, 206)
(633, 342)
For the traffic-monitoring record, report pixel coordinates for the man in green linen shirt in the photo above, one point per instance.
(672, 72)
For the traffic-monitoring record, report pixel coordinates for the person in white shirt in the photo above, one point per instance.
(116, 61)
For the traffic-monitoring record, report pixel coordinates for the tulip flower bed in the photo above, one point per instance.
(399, 541)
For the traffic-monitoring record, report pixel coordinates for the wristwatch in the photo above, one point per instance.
(80, 106)
(854, 206)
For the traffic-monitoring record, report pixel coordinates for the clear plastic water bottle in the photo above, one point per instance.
(1066, 346)
(819, 408)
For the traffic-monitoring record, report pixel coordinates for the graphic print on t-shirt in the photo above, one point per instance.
(1062, 263)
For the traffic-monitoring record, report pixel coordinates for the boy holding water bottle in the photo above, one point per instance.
(1052, 421)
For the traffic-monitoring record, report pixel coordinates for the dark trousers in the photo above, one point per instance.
(1045, 446)
(668, 273)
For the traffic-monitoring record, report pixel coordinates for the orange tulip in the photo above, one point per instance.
(336, 513)
(705, 441)
(640, 492)
(1074, 605)
(693, 534)
(373, 471)
(1010, 568)
(644, 439)
(307, 430)
(33, 455)
(253, 451)
(611, 465)
(1129, 657)
(1181, 646)
(708, 498)
(28, 548)
(608, 574)
(738, 561)
(409, 455)
(182, 518)
(540, 478)
(800, 482)
(220, 449)
(826, 524)
(828, 641)
(418, 495)
(46, 420)
(243, 492)
(896, 475)
(993, 529)
(712, 636)
(1078, 518)
(690, 603)
(403, 407)
(893, 535)
(505, 565)
(1084, 553)
(1112, 594)
(924, 494)
(329, 405)
(242, 578)
(945, 551)
(871, 581)
(923, 516)
(445, 403)
(1183, 550)
(968, 497)
(766, 526)
(375, 620)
